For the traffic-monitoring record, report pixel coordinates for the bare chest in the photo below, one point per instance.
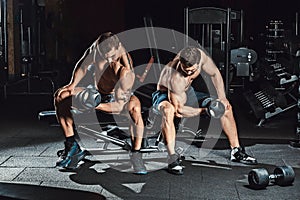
(106, 78)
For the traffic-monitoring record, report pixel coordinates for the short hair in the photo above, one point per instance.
(189, 56)
(107, 41)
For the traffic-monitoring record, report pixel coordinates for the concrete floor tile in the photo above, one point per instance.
(43, 174)
(31, 161)
(3, 159)
(72, 185)
(9, 174)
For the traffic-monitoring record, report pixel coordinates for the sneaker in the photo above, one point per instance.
(138, 163)
(70, 156)
(175, 165)
(238, 154)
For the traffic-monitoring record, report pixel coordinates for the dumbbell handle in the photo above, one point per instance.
(274, 176)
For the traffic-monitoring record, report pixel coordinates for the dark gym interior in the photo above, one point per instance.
(255, 44)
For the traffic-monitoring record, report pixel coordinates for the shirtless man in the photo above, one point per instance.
(172, 98)
(112, 82)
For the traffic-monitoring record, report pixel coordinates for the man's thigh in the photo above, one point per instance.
(158, 98)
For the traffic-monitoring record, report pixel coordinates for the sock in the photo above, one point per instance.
(134, 150)
(70, 140)
(172, 158)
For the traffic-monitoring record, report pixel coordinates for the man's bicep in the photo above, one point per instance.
(123, 89)
(127, 79)
(177, 91)
(177, 100)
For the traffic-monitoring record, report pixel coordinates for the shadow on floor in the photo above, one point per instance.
(23, 191)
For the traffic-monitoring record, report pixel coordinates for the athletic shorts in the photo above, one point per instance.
(107, 98)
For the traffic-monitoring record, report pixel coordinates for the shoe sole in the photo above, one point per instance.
(175, 172)
(140, 173)
(74, 160)
(245, 162)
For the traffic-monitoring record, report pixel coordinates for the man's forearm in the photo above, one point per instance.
(111, 107)
(219, 86)
(187, 111)
(77, 75)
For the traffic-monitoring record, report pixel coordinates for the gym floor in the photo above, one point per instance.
(28, 154)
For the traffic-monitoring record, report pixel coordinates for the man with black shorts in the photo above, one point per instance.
(111, 92)
(173, 98)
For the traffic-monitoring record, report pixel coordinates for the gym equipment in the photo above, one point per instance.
(266, 101)
(274, 43)
(215, 108)
(113, 131)
(212, 28)
(3, 43)
(36, 81)
(279, 73)
(260, 178)
(41, 83)
(243, 59)
(87, 99)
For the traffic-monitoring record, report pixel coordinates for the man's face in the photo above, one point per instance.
(189, 70)
(112, 55)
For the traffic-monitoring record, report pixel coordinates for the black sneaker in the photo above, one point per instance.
(238, 154)
(138, 163)
(70, 156)
(175, 164)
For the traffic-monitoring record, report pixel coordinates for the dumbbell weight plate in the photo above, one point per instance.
(258, 178)
(286, 175)
(216, 109)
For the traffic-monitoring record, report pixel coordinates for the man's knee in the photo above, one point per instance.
(167, 109)
(62, 99)
(134, 105)
(62, 94)
(134, 110)
(59, 94)
(228, 110)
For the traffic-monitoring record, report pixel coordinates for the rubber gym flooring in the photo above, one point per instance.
(28, 154)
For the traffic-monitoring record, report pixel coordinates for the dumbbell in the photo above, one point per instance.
(215, 108)
(260, 178)
(87, 99)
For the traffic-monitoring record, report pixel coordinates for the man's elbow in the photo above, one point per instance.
(179, 111)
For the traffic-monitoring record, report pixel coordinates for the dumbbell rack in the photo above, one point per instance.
(296, 143)
(282, 75)
(269, 105)
(275, 38)
(267, 102)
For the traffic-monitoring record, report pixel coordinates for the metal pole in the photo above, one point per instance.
(186, 27)
(203, 35)
(242, 27)
(4, 22)
(296, 24)
(29, 40)
(153, 49)
(21, 32)
(210, 42)
(227, 59)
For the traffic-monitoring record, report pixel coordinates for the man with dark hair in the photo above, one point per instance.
(173, 99)
(111, 85)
